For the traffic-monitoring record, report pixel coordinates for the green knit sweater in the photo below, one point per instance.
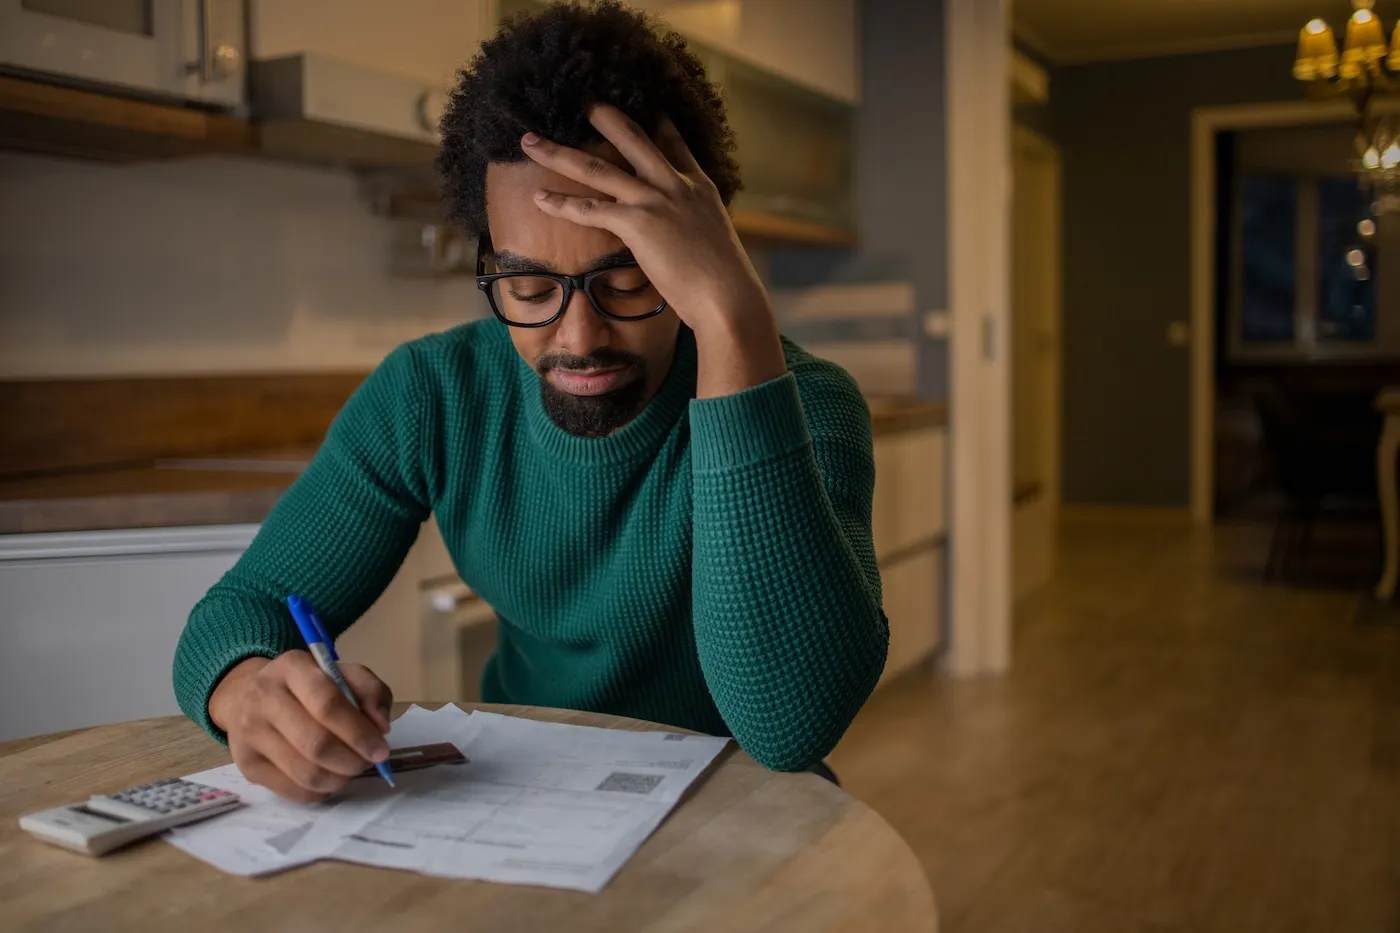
(708, 566)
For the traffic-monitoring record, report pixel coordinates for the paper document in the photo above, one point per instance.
(535, 803)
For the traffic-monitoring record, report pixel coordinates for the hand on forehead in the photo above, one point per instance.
(518, 226)
(627, 166)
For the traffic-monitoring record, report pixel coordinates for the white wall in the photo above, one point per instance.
(201, 265)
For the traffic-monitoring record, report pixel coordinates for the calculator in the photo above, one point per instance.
(109, 821)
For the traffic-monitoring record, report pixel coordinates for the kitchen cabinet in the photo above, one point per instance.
(907, 511)
(913, 593)
(89, 621)
(794, 129)
(404, 637)
(426, 40)
(189, 50)
(909, 528)
(795, 146)
(812, 42)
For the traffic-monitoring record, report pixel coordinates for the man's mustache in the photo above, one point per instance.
(602, 358)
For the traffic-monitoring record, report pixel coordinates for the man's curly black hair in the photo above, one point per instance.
(541, 72)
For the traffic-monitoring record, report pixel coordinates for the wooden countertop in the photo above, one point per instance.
(892, 414)
(196, 491)
(235, 488)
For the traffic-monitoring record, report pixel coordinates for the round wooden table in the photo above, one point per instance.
(748, 850)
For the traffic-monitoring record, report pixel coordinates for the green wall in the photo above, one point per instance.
(1124, 128)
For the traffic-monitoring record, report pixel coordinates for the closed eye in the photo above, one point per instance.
(625, 292)
(531, 293)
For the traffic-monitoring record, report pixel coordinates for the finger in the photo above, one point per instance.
(634, 144)
(673, 146)
(288, 769)
(587, 212)
(334, 714)
(313, 741)
(591, 170)
(259, 770)
(376, 699)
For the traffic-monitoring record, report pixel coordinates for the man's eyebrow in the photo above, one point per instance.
(506, 261)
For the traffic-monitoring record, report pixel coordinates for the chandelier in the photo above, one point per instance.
(1367, 67)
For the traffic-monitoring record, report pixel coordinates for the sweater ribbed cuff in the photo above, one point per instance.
(757, 424)
(222, 644)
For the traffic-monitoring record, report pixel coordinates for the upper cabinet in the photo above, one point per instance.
(359, 82)
(422, 40)
(363, 83)
(795, 150)
(788, 72)
(810, 42)
(186, 50)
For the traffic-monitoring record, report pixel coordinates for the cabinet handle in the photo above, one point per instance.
(216, 63)
(431, 107)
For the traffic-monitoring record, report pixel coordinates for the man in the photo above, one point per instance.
(667, 504)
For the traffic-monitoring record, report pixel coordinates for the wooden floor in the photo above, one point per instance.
(1178, 748)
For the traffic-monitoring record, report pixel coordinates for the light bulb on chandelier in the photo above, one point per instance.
(1364, 70)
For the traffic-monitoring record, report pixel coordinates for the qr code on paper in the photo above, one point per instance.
(625, 783)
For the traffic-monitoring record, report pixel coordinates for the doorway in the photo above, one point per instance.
(1035, 358)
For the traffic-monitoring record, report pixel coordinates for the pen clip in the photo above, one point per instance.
(321, 630)
(312, 631)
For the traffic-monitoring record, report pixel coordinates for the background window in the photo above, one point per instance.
(1269, 220)
(1346, 262)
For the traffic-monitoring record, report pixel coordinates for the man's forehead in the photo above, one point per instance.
(511, 178)
(528, 238)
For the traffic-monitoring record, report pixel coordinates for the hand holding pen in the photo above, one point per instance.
(322, 648)
(291, 730)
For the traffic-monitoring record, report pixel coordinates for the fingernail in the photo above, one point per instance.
(379, 754)
(529, 139)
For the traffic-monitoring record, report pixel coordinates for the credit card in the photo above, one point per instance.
(415, 757)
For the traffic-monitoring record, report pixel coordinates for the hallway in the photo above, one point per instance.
(1178, 748)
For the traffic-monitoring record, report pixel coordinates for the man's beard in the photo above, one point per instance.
(593, 415)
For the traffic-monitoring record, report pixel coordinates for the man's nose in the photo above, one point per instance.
(581, 329)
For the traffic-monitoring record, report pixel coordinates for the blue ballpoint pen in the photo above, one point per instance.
(319, 643)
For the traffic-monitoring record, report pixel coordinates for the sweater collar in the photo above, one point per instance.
(639, 438)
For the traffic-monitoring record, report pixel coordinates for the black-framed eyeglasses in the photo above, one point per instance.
(537, 299)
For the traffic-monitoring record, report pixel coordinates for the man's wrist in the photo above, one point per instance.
(224, 697)
(737, 347)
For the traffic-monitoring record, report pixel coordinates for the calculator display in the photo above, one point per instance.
(109, 817)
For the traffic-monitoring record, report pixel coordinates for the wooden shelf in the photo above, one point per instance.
(775, 228)
(54, 120)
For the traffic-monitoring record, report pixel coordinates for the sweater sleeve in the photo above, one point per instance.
(786, 592)
(336, 537)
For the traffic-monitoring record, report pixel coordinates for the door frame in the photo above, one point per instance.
(1206, 123)
(978, 134)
